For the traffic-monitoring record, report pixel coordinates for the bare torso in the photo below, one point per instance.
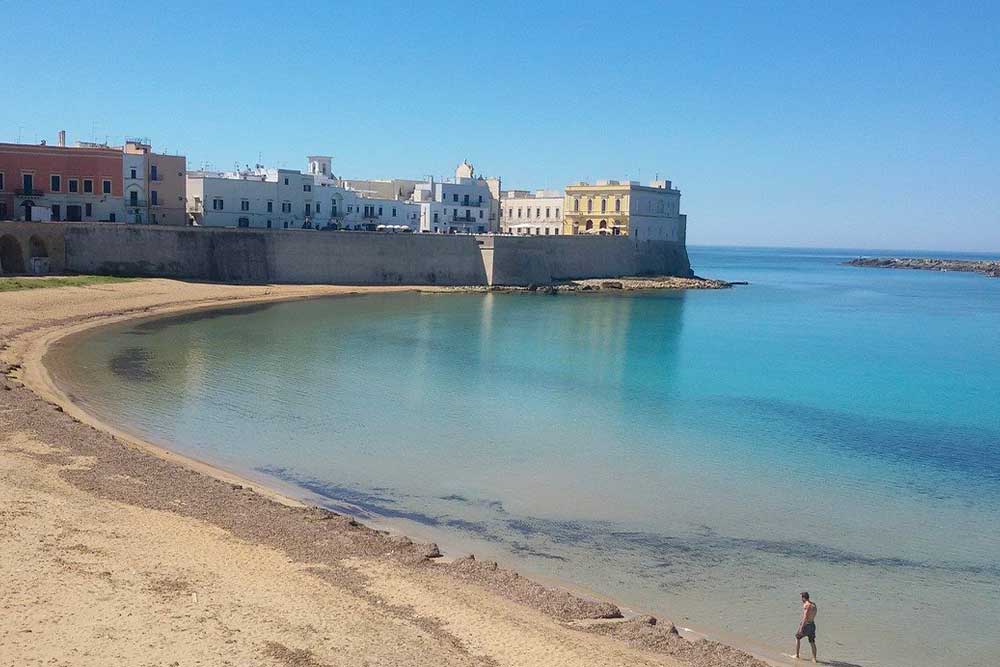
(808, 612)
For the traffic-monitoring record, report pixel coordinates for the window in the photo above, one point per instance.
(106, 186)
(28, 182)
(153, 176)
(480, 199)
(350, 209)
(243, 222)
(308, 209)
(270, 206)
(546, 231)
(56, 212)
(74, 185)
(286, 207)
(307, 188)
(557, 212)
(454, 197)
(604, 206)
(88, 185)
(286, 181)
(527, 212)
(317, 207)
(154, 198)
(88, 210)
(519, 213)
(538, 212)
(268, 224)
(538, 231)
(394, 211)
(217, 204)
(111, 217)
(548, 212)
(435, 220)
(618, 205)
(380, 211)
(1, 180)
(133, 198)
(590, 206)
(576, 205)
(557, 231)
(286, 224)
(480, 213)
(244, 204)
(3, 210)
(133, 174)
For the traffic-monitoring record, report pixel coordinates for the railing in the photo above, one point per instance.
(465, 218)
(28, 192)
(136, 204)
(468, 203)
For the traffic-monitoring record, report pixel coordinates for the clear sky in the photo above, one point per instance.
(872, 125)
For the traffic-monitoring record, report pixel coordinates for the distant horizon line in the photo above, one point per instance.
(843, 249)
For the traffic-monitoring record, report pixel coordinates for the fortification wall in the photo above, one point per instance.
(526, 260)
(356, 258)
(21, 242)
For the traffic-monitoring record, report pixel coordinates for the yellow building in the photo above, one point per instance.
(612, 208)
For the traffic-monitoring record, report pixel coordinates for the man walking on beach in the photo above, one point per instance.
(807, 627)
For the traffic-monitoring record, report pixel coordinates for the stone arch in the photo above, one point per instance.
(590, 224)
(11, 255)
(36, 247)
(604, 224)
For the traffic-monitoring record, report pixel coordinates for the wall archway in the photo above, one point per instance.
(590, 224)
(11, 255)
(36, 247)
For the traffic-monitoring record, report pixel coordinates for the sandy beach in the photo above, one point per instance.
(115, 551)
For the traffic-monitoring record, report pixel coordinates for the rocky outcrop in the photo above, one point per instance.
(989, 268)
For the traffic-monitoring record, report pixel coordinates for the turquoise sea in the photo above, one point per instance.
(704, 454)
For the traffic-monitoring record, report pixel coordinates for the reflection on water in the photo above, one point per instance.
(707, 453)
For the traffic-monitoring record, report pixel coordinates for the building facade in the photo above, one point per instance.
(288, 199)
(466, 205)
(645, 212)
(155, 185)
(265, 198)
(536, 213)
(60, 183)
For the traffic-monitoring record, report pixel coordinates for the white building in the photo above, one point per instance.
(269, 198)
(465, 205)
(536, 213)
(288, 199)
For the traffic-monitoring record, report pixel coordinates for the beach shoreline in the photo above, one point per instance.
(23, 357)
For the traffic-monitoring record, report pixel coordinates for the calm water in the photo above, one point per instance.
(705, 454)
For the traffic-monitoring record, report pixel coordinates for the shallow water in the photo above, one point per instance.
(705, 454)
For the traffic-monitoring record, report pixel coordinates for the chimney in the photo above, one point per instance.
(62, 138)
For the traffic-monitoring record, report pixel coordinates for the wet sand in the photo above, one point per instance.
(120, 552)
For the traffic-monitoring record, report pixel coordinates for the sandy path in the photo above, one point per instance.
(114, 552)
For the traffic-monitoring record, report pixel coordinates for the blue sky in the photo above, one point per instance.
(801, 124)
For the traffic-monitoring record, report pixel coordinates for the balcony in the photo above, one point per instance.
(28, 192)
(468, 203)
(464, 218)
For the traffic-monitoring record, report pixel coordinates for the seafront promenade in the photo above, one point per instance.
(127, 552)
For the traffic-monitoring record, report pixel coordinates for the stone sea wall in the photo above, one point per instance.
(355, 258)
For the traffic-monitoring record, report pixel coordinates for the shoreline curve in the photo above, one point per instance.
(24, 356)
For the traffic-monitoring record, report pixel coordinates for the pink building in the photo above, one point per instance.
(39, 182)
